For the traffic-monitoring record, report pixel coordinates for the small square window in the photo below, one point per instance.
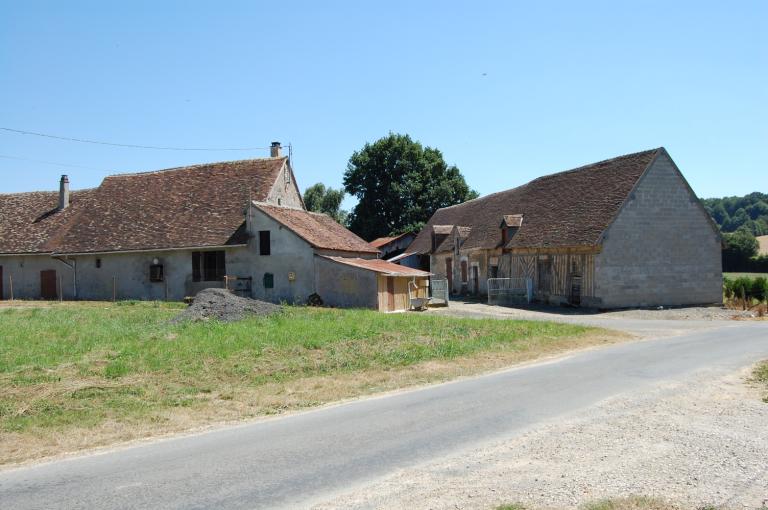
(269, 281)
(156, 273)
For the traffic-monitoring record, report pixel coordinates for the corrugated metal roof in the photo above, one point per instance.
(379, 266)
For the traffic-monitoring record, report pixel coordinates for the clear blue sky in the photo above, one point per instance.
(507, 90)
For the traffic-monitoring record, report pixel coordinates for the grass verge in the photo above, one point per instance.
(627, 503)
(80, 375)
(760, 377)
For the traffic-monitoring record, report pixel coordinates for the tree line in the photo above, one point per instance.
(749, 212)
(740, 220)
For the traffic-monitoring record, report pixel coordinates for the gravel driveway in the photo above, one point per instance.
(644, 323)
(695, 443)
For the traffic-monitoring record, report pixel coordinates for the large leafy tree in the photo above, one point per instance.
(318, 198)
(399, 185)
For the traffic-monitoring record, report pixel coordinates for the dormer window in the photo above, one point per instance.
(510, 224)
(439, 234)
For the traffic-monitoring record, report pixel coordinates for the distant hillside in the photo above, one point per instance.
(732, 213)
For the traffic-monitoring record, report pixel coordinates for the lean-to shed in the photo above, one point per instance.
(369, 283)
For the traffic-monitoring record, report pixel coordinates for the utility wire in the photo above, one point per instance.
(131, 146)
(49, 162)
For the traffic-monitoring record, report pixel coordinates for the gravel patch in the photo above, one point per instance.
(694, 443)
(547, 312)
(712, 313)
(222, 305)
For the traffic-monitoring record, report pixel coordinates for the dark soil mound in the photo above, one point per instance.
(222, 305)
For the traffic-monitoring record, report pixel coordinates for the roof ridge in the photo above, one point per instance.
(589, 165)
(190, 167)
(555, 174)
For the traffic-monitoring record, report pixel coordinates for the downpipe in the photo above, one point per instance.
(73, 267)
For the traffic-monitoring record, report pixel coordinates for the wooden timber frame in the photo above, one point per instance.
(560, 275)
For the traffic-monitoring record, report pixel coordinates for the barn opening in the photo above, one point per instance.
(208, 266)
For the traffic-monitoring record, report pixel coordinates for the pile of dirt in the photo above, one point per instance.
(222, 305)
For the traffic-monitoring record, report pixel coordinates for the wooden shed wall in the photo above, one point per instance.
(563, 266)
(401, 291)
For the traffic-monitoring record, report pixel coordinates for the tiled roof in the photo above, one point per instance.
(195, 206)
(319, 230)
(565, 209)
(383, 241)
(29, 222)
(380, 266)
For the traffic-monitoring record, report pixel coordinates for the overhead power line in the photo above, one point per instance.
(48, 162)
(132, 146)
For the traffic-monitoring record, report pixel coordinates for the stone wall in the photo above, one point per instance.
(344, 286)
(662, 249)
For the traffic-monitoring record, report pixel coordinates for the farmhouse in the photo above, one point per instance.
(168, 234)
(624, 232)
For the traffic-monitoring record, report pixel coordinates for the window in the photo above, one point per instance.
(269, 281)
(507, 233)
(264, 247)
(494, 273)
(156, 273)
(208, 266)
(98, 263)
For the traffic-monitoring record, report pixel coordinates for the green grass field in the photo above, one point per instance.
(91, 373)
(733, 276)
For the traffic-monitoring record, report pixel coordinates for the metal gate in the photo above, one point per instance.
(506, 291)
(439, 290)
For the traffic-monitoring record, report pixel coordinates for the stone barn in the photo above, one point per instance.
(624, 232)
(168, 234)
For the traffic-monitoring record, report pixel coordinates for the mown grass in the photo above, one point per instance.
(77, 375)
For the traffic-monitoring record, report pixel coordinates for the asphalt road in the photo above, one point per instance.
(293, 461)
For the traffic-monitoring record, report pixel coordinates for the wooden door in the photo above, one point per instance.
(390, 293)
(476, 279)
(544, 269)
(463, 271)
(48, 284)
(449, 274)
(1, 282)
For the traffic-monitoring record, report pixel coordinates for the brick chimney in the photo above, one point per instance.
(274, 150)
(63, 192)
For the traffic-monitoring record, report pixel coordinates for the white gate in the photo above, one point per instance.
(439, 290)
(505, 291)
